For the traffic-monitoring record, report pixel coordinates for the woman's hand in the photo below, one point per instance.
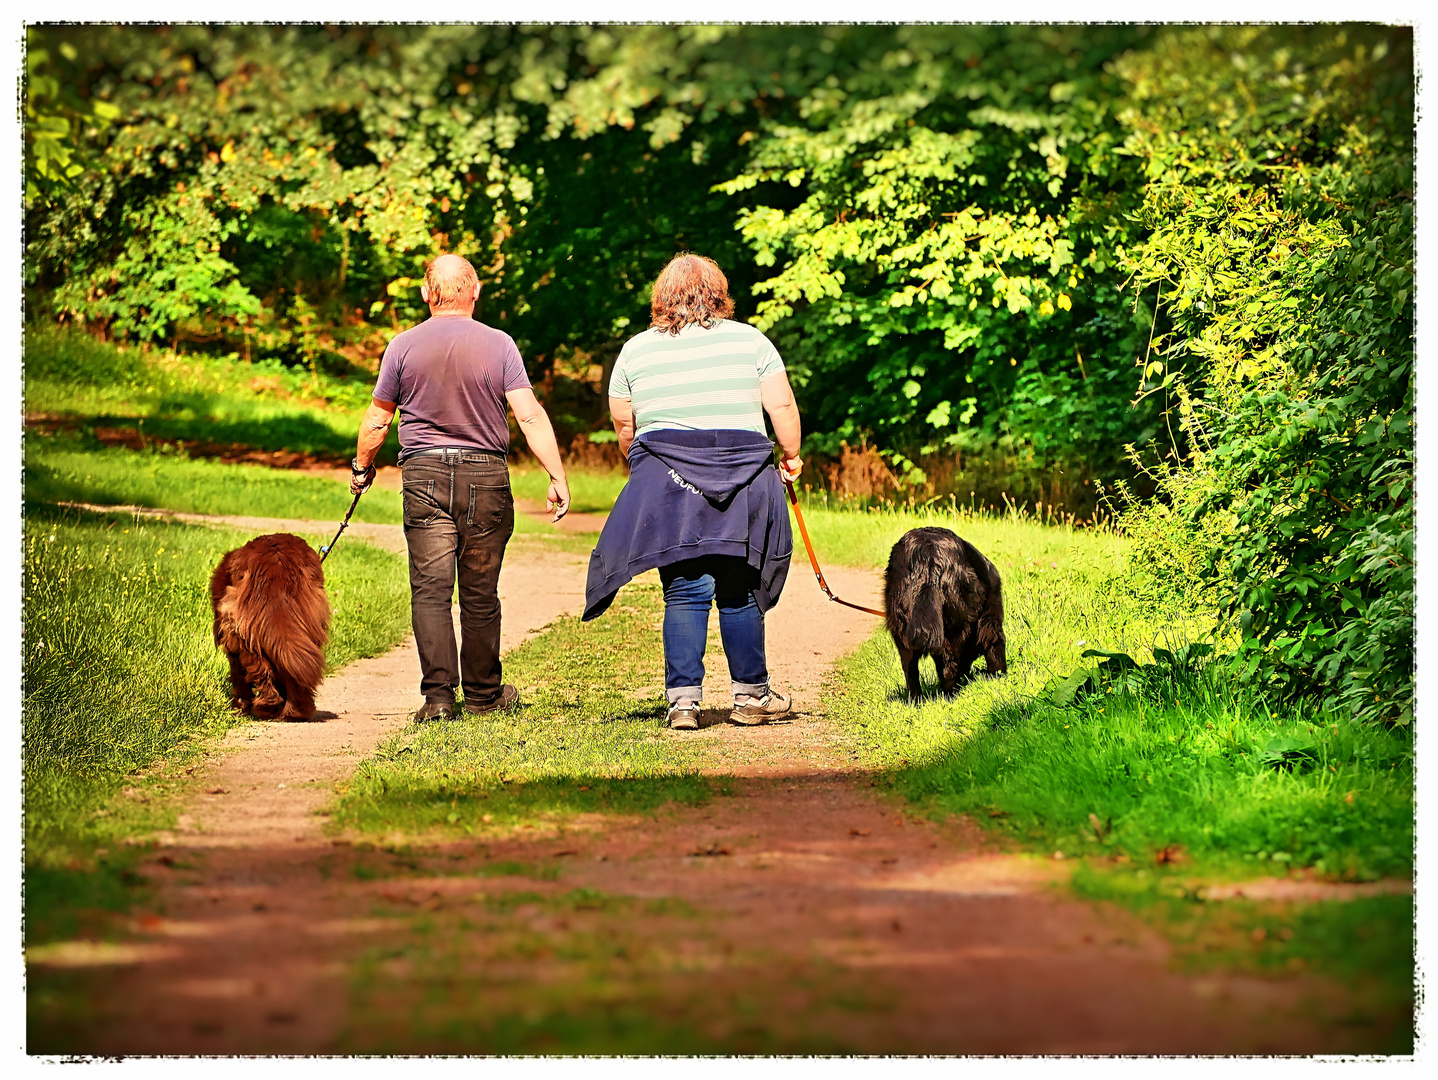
(789, 467)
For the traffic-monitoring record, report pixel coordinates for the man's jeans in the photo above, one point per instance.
(690, 587)
(458, 510)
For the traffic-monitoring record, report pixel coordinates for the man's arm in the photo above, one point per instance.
(539, 434)
(777, 397)
(621, 410)
(378, 416)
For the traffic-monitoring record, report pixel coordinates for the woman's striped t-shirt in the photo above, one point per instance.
(696, 379)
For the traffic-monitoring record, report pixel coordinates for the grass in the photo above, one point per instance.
(1154, 789)
(64, 468)
(590, 492)
(588, 738)
(1366, 943)
(123, 686)
(264, 405)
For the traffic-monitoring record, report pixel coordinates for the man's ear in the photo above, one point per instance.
(424, 293)
(477, 286)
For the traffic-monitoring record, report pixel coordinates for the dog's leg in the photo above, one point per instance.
(950, 670)
(995, 656)
(241, 700)
(909, 659)
(299, 699)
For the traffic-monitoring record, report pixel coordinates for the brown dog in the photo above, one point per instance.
(272, 618)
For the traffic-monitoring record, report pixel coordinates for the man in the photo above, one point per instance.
(449, 377)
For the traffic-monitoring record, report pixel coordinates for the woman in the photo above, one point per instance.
(704, 502)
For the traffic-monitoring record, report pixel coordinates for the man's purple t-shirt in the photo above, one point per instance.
(449, 375)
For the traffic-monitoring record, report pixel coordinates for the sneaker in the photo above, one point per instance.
(684, 716)
(508, 699)
(771, 706)
(433, 710)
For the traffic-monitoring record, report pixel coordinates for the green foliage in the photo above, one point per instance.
(1281, 238)
(949, 267)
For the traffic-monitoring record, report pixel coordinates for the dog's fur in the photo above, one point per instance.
(272, 618)
(943, 599)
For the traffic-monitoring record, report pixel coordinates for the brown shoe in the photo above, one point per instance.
(772, 706)
(433, 710)
(508, 699)
(684, 717)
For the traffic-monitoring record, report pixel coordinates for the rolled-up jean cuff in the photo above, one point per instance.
(757, 690)
(679, 695)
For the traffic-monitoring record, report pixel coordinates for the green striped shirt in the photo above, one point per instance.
(696, 379)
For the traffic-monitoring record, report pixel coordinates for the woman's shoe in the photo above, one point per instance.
(684, 716)
(772, 706)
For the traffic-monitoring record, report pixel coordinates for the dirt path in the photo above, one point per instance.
(819, 914)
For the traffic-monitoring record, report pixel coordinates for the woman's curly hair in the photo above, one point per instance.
(691, 289)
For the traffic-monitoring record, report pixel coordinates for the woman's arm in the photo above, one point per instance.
(622, 411)
(778, 399)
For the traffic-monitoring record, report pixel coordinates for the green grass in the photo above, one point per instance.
(64, 468)
(69, 467)
(123, 685)
(1181, 766)
(583, 741)
(590, 492)
(225, 400)
(1367, 943)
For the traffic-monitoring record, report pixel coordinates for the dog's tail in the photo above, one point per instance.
(926, 618)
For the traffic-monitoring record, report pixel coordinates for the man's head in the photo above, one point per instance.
(451, 287)
(691, 289)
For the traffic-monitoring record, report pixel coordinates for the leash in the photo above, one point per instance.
(813, 559)
(325, 550)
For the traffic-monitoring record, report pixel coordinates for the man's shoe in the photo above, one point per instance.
(433, 710)
(684, 716)
(508, 699)
(771, 706)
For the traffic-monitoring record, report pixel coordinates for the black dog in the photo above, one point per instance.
(943, 599)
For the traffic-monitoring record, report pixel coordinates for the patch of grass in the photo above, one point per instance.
(582, 971)
(1016, 542)
(1182, 769)
(122, 684)
(226, 400)
(63, 468)
(583, 741)
(1366, 943)
(590, 491)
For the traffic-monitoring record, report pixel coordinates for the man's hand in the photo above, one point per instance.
(360, 479)
(557, 498)
(789, 467)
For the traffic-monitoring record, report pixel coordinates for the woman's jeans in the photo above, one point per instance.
(690, 587)
(458, 515)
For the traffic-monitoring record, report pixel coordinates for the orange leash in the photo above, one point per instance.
(813, 559)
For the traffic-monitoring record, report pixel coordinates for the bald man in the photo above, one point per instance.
(449, 378)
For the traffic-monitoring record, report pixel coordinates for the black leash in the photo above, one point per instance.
(325, 550)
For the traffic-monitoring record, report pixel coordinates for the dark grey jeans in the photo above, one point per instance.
(458, 515)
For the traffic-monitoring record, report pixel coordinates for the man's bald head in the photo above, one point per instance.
(450, 284)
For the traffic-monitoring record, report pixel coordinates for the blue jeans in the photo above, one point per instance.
(690, 587)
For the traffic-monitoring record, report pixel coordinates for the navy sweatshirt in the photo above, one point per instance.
(693, 493)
